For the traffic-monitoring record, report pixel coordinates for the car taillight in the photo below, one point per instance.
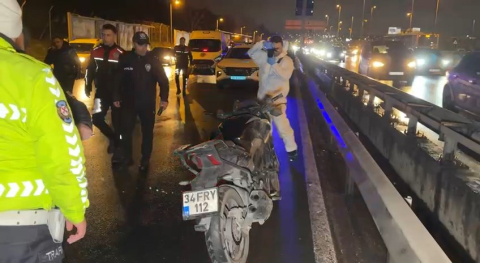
(213, 160)
(205, 50)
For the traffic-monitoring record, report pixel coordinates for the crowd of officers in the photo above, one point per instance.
(43, 186)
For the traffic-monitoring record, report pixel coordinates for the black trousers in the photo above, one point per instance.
(185, 74)
(147, 121)
(99, 119)
(28, 244)
(66, 83)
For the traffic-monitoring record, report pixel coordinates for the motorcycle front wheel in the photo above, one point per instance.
(226, 242)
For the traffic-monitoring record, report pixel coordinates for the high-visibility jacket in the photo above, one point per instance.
(41, 154)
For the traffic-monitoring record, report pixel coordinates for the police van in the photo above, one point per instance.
(207, 48)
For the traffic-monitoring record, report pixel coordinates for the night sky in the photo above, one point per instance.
(455, 16)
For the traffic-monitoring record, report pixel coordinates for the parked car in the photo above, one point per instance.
(462, 92)
(83, 47)
(165, 55)
(387, 60)
(236, 67)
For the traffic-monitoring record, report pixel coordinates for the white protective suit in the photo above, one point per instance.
(275, 79)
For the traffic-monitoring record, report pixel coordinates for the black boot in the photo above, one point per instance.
(293, 155)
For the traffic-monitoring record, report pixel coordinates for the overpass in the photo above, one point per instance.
(425, 197)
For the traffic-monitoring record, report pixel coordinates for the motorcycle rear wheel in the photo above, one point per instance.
(226, 242)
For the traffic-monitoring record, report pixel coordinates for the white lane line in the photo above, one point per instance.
(321, 234)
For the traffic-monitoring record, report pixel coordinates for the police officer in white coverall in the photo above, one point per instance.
(276, 68)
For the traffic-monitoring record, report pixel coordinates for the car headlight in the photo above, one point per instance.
(82, 59)
(329, 55)
(322, 53)
(295, 48)
(420, 62)
(412, 64)
(377, 64)
(355, 51)
(446, 62)
(167, 57)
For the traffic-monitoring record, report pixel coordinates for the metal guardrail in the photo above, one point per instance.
(453, 128)
(405, 237)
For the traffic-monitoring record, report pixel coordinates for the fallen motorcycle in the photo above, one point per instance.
(236, 179)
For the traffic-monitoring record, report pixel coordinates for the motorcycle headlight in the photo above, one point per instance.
(377, 64)
(412, 64)
(82, 59)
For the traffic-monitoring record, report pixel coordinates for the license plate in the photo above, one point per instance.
(396, 73)
(200, 202)
(238, 78)
(434, 70)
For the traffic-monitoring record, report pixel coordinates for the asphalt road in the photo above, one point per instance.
(136, 218)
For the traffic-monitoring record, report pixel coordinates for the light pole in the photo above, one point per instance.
(261, 36)
(351, 28)
(241, 30)
(339, 28)
(363, 19)
(218, 21)
(371, 19)
(328, 20)
(254, 34)
(436, 16)
(50, 21)
(411, 14)
(176, 2)
(473, 27)
(339, 15)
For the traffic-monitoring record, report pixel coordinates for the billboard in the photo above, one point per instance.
(394, 30)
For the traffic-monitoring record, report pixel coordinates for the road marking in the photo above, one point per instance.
(321, 234)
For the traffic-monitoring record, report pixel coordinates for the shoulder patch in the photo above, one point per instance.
(63, 111)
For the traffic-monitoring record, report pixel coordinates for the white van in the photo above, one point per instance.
(207, 48)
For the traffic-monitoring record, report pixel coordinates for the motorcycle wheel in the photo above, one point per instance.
(226, 243)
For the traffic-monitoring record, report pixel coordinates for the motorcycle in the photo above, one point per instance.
(236, 179)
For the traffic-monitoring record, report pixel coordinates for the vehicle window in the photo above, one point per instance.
(389, 48)
(82, 47)
(470, 64)
(238, 53)
(205, 45)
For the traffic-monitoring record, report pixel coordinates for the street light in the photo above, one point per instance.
(219, 20)
(339, 15)
(436, 16)
(363, 19)
(241, 30)
(411, 14)
(351, 28)
(176, 2)
(371, 19)
(328, 19)
(49, 20)
(254, 34)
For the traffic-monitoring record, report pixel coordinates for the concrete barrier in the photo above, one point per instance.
(449, 190)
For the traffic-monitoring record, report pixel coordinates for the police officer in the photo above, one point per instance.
(41, 155)
(135, 92)
(101, 69)
(184, 58)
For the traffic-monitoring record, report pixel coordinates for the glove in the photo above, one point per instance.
(267, 45)
(271, 60)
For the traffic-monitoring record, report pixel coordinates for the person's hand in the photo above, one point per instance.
(164, 104)
(81, 231)
(268, 45)
(116, 104)
(85, 131)
(271, 60)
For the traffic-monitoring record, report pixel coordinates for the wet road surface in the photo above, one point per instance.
(137, 218)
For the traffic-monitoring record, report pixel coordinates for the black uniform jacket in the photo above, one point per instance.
(136, 81)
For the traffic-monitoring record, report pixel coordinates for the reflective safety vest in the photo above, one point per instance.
(41, 153)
